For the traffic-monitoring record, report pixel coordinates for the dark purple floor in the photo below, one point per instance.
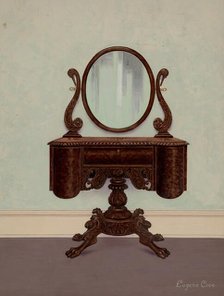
(112, 267)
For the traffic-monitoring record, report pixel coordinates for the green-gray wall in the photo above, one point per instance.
(41, 40)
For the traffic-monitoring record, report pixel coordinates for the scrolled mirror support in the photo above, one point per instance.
(73, 125)
(160, 125)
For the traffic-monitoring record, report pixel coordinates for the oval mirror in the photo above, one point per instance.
(118, 89)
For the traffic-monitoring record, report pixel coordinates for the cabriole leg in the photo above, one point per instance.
(89, 237)
(147, 238)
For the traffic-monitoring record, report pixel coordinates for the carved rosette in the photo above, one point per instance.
(160, 125)
(73, 125)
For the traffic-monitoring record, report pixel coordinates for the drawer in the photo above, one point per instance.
(118, 156)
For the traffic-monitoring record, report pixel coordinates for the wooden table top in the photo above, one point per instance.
(117, 141)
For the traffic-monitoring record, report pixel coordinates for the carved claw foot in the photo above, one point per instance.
(76, 251)
(163, 253)
(160, 252)
(89, 240)
(73, 252)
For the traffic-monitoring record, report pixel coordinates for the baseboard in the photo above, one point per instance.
(66, 223)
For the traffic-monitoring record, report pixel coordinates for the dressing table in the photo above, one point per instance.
(118, 91)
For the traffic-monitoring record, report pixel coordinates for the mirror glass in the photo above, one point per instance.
(118, 89)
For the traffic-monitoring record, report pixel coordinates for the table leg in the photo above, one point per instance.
(147, 238)
(89, 237)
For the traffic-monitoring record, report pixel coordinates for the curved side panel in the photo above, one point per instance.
(171, 171)
(66, 170)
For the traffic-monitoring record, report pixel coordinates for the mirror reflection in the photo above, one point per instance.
(118, 89)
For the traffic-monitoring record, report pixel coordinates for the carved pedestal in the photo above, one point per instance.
(118, 221)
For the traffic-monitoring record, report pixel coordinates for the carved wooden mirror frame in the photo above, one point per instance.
(152, 91)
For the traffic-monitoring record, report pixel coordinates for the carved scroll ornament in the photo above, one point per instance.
(95, 178)
(160, 125)
(73, 125)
